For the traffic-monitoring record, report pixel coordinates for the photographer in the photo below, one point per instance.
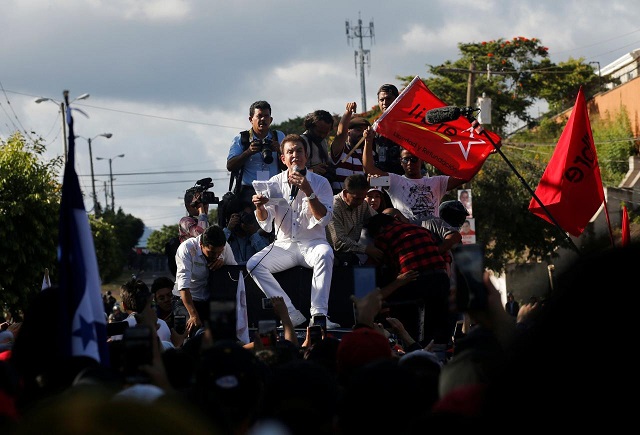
(254, 154)
(243, 232)
(197, 219)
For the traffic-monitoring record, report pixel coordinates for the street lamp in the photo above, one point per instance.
(60, 104)
(93, 180)
(111, 176)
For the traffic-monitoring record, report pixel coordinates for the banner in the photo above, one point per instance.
(82, 329)
(455, 148)
(571, 186)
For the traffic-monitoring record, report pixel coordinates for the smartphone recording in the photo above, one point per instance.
(267, 332)
(468, 264)
(364, 280)
(222, 319)
(137, 351)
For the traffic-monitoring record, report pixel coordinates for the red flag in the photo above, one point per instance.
(571, 186)
(626, 235)
(455, 148)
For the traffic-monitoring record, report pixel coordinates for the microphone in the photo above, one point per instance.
(294, 188)
(447, 114)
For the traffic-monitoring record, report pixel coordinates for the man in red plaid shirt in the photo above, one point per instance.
(411, 247)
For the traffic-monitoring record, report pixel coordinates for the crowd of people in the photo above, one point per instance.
(301, 200)
(541, 368)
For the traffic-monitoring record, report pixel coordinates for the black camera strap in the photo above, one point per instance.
(246, 137)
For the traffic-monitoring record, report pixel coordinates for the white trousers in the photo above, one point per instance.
(316, 255)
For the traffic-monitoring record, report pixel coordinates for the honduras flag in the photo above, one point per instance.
(82, 330)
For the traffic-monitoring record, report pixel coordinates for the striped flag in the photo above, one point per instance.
(82, 328)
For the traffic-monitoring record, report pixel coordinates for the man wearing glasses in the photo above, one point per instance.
(416, 196)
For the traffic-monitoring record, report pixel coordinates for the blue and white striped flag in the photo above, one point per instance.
(83, 330)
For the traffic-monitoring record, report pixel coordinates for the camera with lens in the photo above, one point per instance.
(202, 186)
(266, 151)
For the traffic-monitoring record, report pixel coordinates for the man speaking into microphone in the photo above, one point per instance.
(300, 231)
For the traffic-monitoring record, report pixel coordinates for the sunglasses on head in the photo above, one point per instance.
(411, 159)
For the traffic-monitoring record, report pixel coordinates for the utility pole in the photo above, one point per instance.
(471, 83)
(361, 56)
(111, 177)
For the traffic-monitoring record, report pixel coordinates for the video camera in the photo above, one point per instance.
(206, 197)
(266, 151)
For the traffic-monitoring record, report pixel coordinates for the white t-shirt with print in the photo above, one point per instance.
(417, 199)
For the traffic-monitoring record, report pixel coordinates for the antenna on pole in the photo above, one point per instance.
(361, 56)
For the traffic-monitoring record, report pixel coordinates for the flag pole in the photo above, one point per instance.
(480, 130)
(606, 213)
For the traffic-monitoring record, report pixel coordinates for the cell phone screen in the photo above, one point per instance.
(222, 319)
(321, 321)
(364, 280)
(267, 332)
(137, 351)
(315, 333)
(471, 293)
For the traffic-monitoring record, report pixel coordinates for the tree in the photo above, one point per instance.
(520, 74)
(105, 240)
(157, 239)
(29, 214)
(515, 73)
(129, 229)
(614, 143)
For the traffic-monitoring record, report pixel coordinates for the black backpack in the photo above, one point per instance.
(170, 249)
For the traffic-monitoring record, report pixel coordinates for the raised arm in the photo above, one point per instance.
(337, 146)
(367, 155)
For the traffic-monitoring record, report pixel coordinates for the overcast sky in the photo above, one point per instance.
(173, 80)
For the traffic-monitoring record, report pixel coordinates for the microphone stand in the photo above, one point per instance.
(480, 130)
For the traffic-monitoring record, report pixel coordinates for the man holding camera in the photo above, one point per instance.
(197, 219)
(255, 158)
(243, 232)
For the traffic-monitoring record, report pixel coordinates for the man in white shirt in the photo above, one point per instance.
(416, 196)
(195, 257)
(300, 230)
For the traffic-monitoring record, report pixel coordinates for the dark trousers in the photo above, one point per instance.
(431, 291)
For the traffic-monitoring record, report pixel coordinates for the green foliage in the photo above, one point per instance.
(559, 84)
(105, 240)
(29, 210)
(295, 125)
(501, 208)
(129, 229)
(521, 74)
(614, 143)
(157, 239)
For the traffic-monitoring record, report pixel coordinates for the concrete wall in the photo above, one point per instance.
(608, 104)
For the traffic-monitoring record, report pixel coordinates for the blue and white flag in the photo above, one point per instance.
(83, 329)
(46, 281)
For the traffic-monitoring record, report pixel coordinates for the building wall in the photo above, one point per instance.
(608, 104)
